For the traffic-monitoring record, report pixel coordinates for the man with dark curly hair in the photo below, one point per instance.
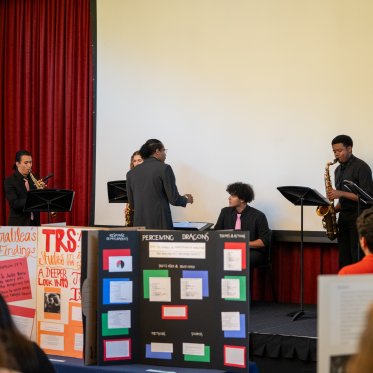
(365, 228)
(240, 216)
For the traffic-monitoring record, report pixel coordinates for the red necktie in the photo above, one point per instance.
(237, 227)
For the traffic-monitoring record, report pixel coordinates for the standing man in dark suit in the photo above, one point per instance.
(16, 187)
(151, 188)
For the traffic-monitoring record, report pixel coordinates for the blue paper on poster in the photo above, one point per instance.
(106, 291)
(157, 355)
(204, 275)
(237, 333)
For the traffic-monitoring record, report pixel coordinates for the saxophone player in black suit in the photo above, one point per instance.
(16, 187)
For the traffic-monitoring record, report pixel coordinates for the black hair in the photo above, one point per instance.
(343, 139)
(242, 191)
(19, 156)
(364, 225)
(150, 147)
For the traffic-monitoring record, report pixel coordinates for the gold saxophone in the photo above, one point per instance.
(329, 216)
(128, 213)
(38, 183)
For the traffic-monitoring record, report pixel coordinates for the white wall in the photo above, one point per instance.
(250, 91)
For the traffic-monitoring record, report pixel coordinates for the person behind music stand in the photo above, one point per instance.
(364, 225)
(356, 170)
(240, 216)
(16, 187)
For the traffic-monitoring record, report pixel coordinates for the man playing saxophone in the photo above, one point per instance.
(356, 170)
(16, 187)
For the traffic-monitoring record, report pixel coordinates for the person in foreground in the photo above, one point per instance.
(356, 170)
(27, 355)
(16, 187)
(240, 216)
(364, 225)
(151, 188)
(362, 362)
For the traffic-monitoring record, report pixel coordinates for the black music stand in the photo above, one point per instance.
(48, 200)
(302, 196)
(362, 197)
(117, 191)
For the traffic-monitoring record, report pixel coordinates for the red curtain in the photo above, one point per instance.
(318, 259)
(46, 95)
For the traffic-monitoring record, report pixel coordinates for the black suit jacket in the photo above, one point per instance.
(151, 188)
(252, 220)
(16, 193)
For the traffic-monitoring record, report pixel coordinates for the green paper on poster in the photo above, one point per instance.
(107, 332)
(152, 273)
(242, 280)
(204, 359)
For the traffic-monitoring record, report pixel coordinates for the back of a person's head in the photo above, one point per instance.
(18, 346)
(8, 362)
(6, 321)
(364, 225)
(150, 147)
(362, 362)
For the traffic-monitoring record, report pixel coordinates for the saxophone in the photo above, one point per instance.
(38, 183)
(328, 214)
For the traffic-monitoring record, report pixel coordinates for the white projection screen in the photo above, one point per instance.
(237, 90)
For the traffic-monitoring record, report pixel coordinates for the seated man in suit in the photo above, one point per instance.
(364, 225)
(240, 216)
(16, 187)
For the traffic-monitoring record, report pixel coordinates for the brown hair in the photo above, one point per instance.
(137, 152)
(362, 362)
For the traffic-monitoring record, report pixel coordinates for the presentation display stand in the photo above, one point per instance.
(302, 196)
(173, 298)
(117, 192)
(48, 200)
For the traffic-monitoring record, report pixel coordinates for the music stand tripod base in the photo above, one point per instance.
(302, 196)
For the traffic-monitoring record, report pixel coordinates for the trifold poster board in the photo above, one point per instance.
(343, 302)
(171, 298)
(59, 321)
(18, 255)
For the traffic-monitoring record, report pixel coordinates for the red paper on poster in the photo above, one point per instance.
(237, 246)
(106, 253)
(15, 280)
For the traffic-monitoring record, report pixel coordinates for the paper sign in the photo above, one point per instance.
(52, 342)
(240, 246)
(235, 356)
(194, 349)
(120, 291)
(119, 319)
(184, 250)
(15, 280)
(120, 263)
(232, 260)
(156, 355)
(204, 275)
(147, 273)
(190, 288)
(230, 288)
(52, 327)
(117, 349)
(230, 321)
(205, 358)
(241, 333)
(160, 289)
(175, 312)
(162, 347)
(23, 318)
